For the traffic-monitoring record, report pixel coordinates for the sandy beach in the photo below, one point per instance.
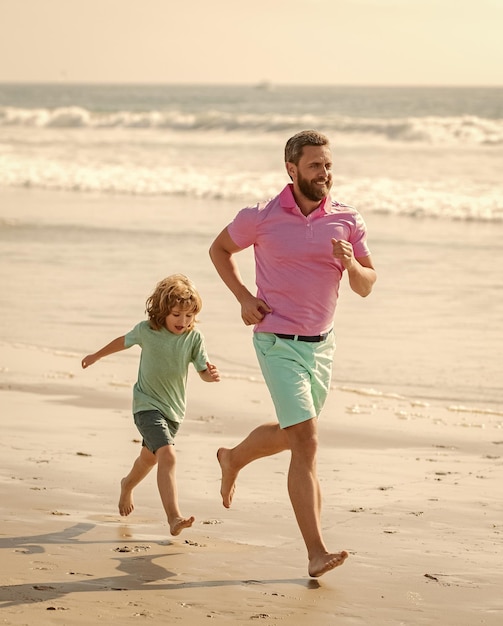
(410, 490)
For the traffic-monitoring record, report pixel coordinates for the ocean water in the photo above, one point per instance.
(420, 152)
(108, 188)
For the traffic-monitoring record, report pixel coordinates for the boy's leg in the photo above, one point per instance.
(141, 467)
(166, 482)
(265, 440)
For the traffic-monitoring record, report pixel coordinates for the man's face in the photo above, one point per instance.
(313, 174)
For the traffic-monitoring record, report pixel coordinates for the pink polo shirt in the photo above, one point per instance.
(296, 273)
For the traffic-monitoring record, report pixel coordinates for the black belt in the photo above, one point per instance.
(310, 338)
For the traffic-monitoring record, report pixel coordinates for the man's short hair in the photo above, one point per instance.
(295, 145)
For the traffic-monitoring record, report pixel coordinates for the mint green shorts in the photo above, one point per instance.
(297, 373)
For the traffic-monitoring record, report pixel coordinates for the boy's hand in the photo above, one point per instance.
(211, 373)
(88, 360)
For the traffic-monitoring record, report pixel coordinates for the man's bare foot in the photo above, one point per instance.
(322, 564)
(228, 484)
(126, 505)
(179, 523)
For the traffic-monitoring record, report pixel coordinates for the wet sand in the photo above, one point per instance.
(411, 491)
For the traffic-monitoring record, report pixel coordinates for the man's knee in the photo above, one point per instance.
(303, 438)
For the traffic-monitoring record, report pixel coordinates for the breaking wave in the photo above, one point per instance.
(467, 129)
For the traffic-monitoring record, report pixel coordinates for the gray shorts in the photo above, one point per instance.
(156, 430)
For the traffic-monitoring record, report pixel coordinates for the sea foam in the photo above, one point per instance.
(437, 130)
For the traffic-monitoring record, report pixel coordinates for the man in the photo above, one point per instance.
(303, 243)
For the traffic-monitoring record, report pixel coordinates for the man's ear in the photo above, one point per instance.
(290, 169)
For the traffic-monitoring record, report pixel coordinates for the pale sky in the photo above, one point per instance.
(339, 42)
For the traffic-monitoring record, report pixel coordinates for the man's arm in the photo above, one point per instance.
(362, 276)
(222, 252)
(361, 272)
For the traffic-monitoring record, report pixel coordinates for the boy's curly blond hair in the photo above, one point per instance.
(174, 291)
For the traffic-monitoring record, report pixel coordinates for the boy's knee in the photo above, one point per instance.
(147, 457)
(165, 454)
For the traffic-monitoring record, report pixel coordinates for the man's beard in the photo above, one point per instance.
(313, 191)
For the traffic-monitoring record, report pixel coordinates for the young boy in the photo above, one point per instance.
(169, 342)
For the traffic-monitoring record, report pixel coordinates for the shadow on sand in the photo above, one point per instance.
(135, 572)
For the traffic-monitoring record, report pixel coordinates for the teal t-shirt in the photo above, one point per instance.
(164, 367)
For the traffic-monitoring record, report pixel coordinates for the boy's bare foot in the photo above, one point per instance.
(126, 505)
(228, 484)
(322, 564)
(179, 523)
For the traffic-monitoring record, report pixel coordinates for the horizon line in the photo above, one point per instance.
(263, 84)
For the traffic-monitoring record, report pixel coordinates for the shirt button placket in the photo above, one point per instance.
(309, 229)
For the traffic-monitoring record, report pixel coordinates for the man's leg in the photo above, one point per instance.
(141, 467)
(305, 495)
(166, 482)
(264, 441)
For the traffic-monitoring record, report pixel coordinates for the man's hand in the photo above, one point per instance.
(361, 272)
(253, 310)
(343, 251)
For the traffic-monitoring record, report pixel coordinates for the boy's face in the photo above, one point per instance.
(179, 320)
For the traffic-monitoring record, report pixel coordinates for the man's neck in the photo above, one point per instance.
(305, 205)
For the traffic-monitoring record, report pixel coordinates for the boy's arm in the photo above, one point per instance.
(210, 374)
(114, 346)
